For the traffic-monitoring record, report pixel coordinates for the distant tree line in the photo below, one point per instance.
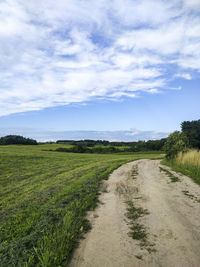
(147, 145)
(135, 146)
(87, 142)
(102, 146)
(188, 137)
(17, 140)
(83, 148)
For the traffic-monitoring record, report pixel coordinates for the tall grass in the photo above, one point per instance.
(188, 163)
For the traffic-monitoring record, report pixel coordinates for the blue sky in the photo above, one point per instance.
(103, 66)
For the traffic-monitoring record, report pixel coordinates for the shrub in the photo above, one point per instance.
(80, 148)
(176, 142)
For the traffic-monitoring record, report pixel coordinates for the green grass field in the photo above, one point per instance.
(44, 197)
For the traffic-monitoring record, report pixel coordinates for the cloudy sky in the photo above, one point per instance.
(70, 65)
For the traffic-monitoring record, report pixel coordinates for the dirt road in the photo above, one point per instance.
(172, 222)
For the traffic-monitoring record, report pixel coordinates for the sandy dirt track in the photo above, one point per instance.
(173, 222)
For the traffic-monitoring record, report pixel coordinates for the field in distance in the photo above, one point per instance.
(44, 196)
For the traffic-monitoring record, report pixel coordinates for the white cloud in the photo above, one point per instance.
(186, 76)
(135, 13)
(192, 3)
(56, 53)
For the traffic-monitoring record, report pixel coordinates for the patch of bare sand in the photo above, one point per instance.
(173, 224)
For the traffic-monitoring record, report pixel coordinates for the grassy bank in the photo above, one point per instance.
(187, 163)
(44, 197)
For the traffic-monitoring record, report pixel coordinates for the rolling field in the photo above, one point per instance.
(44, 197)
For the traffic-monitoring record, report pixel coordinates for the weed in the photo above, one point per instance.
(172, 177)
(138, 257)
(135, 171)
(137, 230)
(187, 193)
(133, 212)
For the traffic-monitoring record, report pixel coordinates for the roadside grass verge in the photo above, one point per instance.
(186, 163)
(44, 197)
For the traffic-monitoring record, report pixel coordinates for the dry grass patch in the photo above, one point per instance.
(187, 163)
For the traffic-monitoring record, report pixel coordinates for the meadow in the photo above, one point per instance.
(187, 163)
(44, 197)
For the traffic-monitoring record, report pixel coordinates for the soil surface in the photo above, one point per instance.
(172, 225)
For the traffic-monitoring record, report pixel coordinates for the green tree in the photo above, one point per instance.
(192, 130)
(80, 148)
(176, 142)
(17, 140)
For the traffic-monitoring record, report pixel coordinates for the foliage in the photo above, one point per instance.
(176, 142)
(44, 197)
(148, 145)
(91, 146)
(80, 148)
(16, 139)
(88, 142)
(192, 130)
